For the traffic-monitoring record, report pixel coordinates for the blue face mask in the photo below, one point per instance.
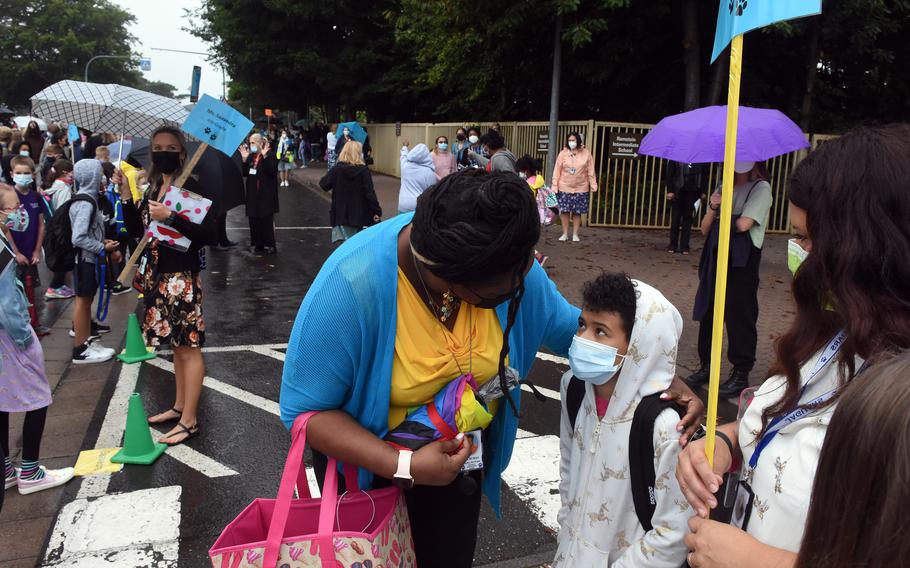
(593, 362)
(17, 220)
(254, 149)
(23, 180)
(443, 145)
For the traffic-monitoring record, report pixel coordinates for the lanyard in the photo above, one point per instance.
(781, 422)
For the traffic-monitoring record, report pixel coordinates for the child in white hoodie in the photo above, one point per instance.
(623, 353)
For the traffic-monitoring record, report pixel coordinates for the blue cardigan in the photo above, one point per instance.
(343, 341)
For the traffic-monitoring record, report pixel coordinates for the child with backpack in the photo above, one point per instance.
(23, 383)
(27, 243)
(621, 504)
(60, 191)
(87, 225)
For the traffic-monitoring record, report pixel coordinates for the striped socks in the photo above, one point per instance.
(8, 469)
(31, 471)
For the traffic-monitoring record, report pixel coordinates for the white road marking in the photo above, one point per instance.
(140, 528)
(283, 228)
(111, 433)
(233, 348)
(549, 393)
(553, 358)
(262, 403)
(533, 475)
(196, 460)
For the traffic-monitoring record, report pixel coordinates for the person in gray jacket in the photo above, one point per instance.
(501, 158)
(418, 173)
(90, 247)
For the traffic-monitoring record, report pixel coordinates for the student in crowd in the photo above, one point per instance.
(330, 142)
(52, 153)
(284, 153)
(460, 147)
(171, 282)
(19, 148)
(27, 244)
(686, 184)
(418, 173)
(474, 148)
(60, 191)
(23, 383)
(87, 222)
(850, 254)
(495, 157)
(606, 457)
(443, 159)
(32, 134)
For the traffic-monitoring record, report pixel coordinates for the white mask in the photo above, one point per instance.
(522, 175)
(743, 167)
(573, 144)
(473, 139)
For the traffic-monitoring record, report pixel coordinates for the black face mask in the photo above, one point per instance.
(460, 137)
(166, 162)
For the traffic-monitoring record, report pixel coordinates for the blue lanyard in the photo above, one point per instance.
(779, 423)
(104, 293)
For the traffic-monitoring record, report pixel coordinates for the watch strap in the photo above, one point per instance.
(404, 465)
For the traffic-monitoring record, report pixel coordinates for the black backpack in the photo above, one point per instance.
(641, 446)
(58, 237)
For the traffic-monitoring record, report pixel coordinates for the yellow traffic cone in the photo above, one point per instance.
(135, 350)
(138, 446)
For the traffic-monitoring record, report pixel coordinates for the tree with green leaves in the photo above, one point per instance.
(45, 41)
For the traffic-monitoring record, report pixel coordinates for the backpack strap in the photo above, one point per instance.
(641, 455)
(575, 394)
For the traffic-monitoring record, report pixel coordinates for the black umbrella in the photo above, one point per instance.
(219, 175)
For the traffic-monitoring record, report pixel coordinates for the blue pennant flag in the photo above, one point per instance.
(736, 17)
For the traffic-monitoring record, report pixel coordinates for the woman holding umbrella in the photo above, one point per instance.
(261, 170)
(170, 281)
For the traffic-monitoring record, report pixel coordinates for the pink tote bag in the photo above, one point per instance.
(357, 530)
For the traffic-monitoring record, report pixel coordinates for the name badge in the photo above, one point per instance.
(252, 171)
(475, 460)
(742, 507)
(572, 171)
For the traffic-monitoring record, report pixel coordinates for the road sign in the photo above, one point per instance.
(217, 124)
(145, 64)
(624, 144)
(194, 86)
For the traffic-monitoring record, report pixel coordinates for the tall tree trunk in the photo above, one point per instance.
(719, 72)
(691, 53)
(811, 72)
(552, 149)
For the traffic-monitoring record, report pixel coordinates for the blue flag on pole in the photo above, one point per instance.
(736, 17)
(72, 133)
(217, 124)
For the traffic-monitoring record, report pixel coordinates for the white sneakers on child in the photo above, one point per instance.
(93, 353)
(52, 478)
(575, 239)
(11, 481)
(563, 238)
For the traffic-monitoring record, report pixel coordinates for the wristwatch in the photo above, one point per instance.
(403, 477)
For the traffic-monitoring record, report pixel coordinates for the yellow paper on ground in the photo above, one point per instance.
(96, 462)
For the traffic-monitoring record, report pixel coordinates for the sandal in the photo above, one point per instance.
(190, 431)
(179, 413)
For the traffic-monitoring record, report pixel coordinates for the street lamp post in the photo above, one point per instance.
(223, 87)
(103, 57)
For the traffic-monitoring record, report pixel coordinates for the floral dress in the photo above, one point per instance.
(173, 301)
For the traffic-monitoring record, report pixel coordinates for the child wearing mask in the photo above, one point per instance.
(23, 384)
(60, 191)
(615, 432)
(26, 244)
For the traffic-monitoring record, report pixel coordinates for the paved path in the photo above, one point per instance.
(170, 513)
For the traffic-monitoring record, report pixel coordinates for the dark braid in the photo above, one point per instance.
(472, 227)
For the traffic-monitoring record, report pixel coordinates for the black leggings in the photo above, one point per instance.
(58, 280)
(32, 431)
(439, 517)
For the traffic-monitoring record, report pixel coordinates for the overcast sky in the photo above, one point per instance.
(159, 24)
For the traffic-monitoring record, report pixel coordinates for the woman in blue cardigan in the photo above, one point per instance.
(402, 309)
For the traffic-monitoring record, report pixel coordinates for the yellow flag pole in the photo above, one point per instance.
(723, 248)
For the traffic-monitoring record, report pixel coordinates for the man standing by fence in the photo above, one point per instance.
(686, 184)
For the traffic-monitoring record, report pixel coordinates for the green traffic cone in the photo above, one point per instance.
(138, 446)
(135, 346)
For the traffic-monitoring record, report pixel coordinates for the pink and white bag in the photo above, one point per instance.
(365, 529)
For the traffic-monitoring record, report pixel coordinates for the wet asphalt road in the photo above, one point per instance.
(251, 300)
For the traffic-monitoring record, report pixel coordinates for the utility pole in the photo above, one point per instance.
(102, 57)
(552, 149)
(223, 80)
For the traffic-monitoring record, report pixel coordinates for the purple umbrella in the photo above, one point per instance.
(698, 136)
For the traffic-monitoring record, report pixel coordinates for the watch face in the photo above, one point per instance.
(403, 482)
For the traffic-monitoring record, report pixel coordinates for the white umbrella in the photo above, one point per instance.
(107, 108)
(22, 122)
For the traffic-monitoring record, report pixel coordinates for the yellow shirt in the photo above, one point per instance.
(424, 362)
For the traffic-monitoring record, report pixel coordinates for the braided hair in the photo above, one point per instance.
(473, 227)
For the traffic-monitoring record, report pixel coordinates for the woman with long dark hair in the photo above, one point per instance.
(402, 310)
(170, 279)
(850, 253)
(858, 511)
(32, 134)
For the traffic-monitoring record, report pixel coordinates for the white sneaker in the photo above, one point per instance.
(564, 238)
(11, 481)
(94, 353)
(52, 478)
(575, 239)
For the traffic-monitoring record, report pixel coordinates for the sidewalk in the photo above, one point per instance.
(643, 255)
(76, 391)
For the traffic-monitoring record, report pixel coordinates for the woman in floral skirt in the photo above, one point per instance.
(573, 178)
(170, 280)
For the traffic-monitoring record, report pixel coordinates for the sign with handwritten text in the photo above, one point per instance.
(217, 124)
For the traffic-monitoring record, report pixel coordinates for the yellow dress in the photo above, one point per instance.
(425, 353)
